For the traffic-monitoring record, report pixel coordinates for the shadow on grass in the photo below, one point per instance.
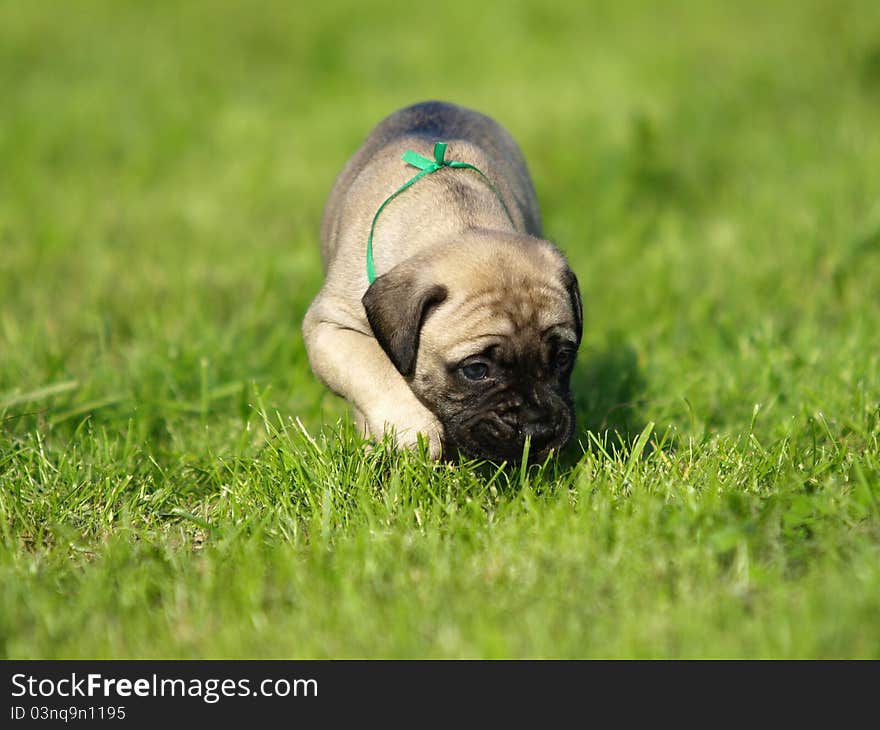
(607, 386)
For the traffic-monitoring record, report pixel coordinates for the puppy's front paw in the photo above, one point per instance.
(406, 423)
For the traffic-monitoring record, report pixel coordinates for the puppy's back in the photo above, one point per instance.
(429, 122)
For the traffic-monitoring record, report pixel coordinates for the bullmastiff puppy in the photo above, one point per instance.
(443, 310)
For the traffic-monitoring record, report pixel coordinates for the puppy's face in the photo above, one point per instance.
(486, 333)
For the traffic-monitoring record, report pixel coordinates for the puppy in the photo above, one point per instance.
(469, 332)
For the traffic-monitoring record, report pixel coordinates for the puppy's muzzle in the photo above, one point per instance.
(543, 434)
(501, 436)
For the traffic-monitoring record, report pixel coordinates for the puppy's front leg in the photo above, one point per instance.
(351, 363)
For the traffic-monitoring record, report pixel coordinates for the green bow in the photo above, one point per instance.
(427, 166)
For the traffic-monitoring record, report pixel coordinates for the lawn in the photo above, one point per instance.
(174, 482)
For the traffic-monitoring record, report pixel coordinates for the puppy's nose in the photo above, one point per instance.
(541, 433)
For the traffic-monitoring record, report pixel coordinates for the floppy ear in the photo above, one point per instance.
(397, 304)
(577, 305)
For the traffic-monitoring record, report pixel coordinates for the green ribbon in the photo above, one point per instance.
(426, 166)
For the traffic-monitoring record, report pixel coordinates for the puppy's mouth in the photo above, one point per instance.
(499, 438)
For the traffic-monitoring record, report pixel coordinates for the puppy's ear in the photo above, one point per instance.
(397, 304)
(577, 305)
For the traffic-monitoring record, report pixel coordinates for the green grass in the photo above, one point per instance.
(175, 483)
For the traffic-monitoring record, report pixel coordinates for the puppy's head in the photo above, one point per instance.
(485, 330)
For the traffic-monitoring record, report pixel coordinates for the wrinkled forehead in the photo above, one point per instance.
(515, 317)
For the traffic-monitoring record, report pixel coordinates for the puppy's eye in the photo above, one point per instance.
(564, 359)
(474, 370)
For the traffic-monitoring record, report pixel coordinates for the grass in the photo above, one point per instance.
(175, 483)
